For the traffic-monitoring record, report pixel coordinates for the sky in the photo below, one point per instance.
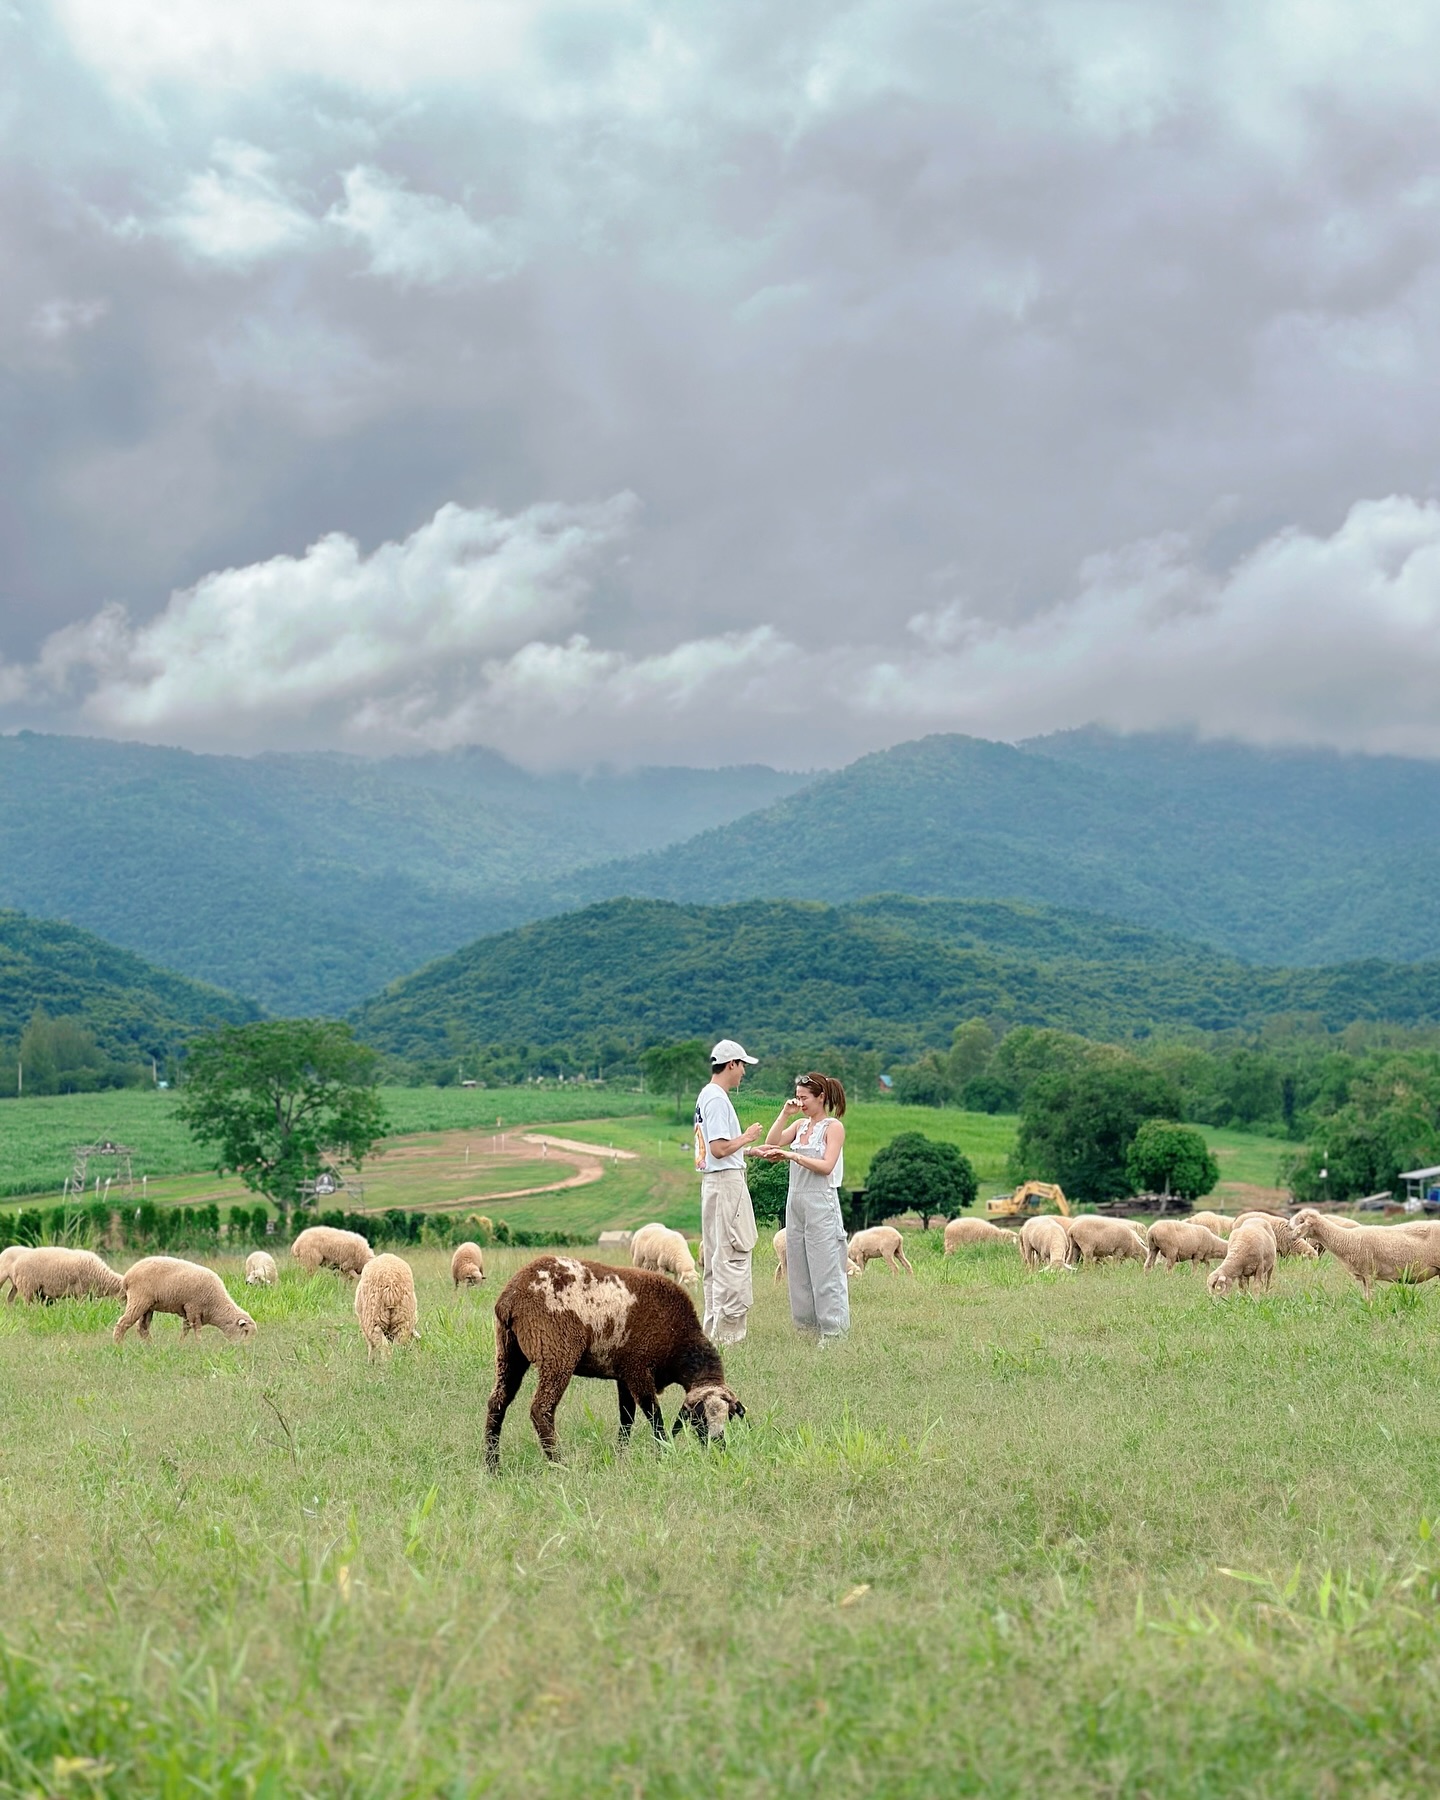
(611, 383)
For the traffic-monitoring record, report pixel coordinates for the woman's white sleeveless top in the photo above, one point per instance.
(809, 1140)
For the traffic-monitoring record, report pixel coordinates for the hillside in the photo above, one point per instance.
(891, 974)
(1289, 857)
(135, 1010)
(309, 881)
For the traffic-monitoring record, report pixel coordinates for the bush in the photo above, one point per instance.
(914, 1173)
(769, 1184)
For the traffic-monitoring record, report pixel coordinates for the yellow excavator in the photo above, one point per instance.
(1029, 1198)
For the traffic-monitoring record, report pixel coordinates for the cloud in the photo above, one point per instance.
(420, 240)
(54, 320)
(235, 212)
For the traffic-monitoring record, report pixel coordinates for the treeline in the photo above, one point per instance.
(64, 1056)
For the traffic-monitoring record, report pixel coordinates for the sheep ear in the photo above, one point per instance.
(737, 1410)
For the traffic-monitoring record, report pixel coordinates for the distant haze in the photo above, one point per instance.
(613, 383)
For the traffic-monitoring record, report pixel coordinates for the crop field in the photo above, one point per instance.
(1093, 1534)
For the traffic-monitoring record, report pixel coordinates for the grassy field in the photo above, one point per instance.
(1093, 1535)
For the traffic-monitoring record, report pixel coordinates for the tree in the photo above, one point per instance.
(1077, 1128)
(922, 1083)
(1170, 1159)
(276, 1100)
(971, 1047)
(914, 1173)
(678, 1069)
(769, 1185)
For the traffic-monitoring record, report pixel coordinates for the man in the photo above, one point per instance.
(727, 1219)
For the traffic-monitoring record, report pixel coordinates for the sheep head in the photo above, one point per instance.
(241, 1327)
(708, 1409)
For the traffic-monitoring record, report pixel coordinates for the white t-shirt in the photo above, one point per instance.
(715, 1117)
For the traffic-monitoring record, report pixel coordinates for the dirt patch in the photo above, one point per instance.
(1241, 1196)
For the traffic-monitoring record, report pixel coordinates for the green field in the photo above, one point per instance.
(1093, 1535)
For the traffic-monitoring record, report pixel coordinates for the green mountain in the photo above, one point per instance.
(308, 881)
(1290, 857)
(892, 974)
(135, 1010)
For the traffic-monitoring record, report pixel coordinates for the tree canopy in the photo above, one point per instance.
(678, 1069)
(274, 1102)
(1166, 1158)
(1077, 1129)
(914, 1173)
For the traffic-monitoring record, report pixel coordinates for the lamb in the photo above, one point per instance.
(878, 1241)
(1098, 1240)
(1286, 1242)
(55, 1273)
(1249, 1256)
(1046, 1244)
(169, 1285)
(1182, 1240)
(1219, 1223)
(644, 1243)
(260, 1270)
(1372, 1252)
(385, 1303)
(630, 1326)
(467, 1265)
(974, 1231)
(323, 1247)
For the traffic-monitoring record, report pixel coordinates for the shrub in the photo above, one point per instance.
(769, 1183)
(914, 1173)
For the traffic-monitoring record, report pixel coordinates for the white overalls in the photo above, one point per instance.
(815, 1239)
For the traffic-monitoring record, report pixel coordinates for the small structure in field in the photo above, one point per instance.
(121, 1155)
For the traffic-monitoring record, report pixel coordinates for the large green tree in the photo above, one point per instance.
(914, 1173)
(274, 1102)
(678, 1069)
(1165, 1158)
(1076, 1128)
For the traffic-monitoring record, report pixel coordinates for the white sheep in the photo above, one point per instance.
(54, 1272)
(260, 1270)
(385, 1303)
(672, 1257)
(1046, 1244)
(1219, 1223)
(645, 1244)
(467, 1265)
(879, 1241)
(169, 1285)
(974, 1231)
(1286, 1242)
(1182, 1240)
(1099, 1240)
(1249, 1257)
(782, 1267)
(7, 1262)
(1372, 1252)
(325, 1247)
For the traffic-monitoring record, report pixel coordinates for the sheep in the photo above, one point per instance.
(672, 1256)
(1096, 1239)
(974, 1231)
(1249, 1256)
(1182, 1240)
(55, 1273)
(630, 1326)
(1046, 1244)
(644, 1244)
(467, 1265)
(260, 1270)
(782, 1267)
(385, 1303)
(323, 1247)
(1286, 1242)
(1372, 1252)
(8, 1258)
(169, 1285)
(1219, 1223)
(878, 1241)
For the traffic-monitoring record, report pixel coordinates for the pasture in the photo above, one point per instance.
(1090, 1534)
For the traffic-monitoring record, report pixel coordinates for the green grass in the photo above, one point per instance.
(1089, 1535)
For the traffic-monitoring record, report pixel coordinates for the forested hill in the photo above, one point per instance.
(894, 975)
(309, 881)
(134, 1010)
(1289, 857)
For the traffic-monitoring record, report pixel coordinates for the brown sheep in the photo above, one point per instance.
(630, 1326)
(1249, 1257)
(323, 1247)
(167, 1284)
(1046, 1244)
(467, 1265)
(385, 1303)
(879, 1241)
(1372, 1252)
(1182, 1240)
(1286, 1242)
(974, 1231)
(1098, 1240)
(55, 1273)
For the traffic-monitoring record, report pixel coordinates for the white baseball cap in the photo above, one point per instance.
(728, 1051)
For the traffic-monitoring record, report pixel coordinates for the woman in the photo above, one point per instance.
(814, 1147)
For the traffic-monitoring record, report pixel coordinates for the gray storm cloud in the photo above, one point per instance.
(964, 366)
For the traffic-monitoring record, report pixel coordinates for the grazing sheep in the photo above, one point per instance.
(645, 1244)
(7, 1261)
(1046, 1244)
(974, 1231)
(323, 1247)
(1219, 1223)
(260, 1270)
(467, 1265)
(55, 1273)
(1097, 1240)
(385, 1303)
(1286, 1242)
(1372, 1252)
(672, 1257)
(167, 1284)
(629, 1326)
(879, 1240)
(1182, 1240)
(778, 1245)
(1249, 1256)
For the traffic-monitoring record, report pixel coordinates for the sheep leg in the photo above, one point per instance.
(511, 1363)
(627, 1411)
(905, 1260)
(549, 1394)
(642, 1385)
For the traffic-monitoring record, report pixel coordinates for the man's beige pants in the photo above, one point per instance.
(727, 1236)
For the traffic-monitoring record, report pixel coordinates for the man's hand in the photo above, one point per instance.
(749, 1135)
